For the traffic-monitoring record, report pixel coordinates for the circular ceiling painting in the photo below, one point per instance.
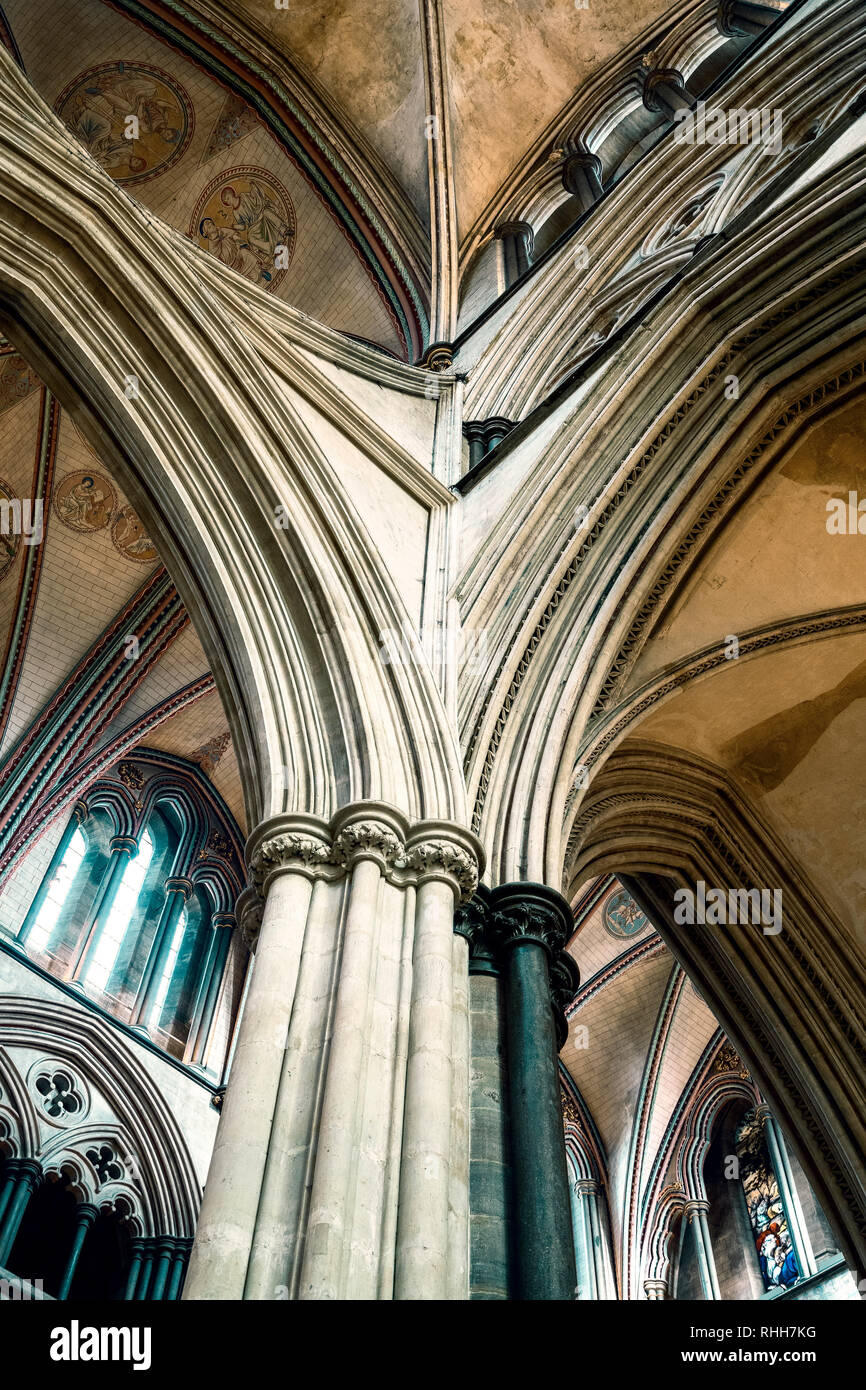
(84, 501)
(622, 917)
(246, 219)
(131, 539)
(136, 121)
(9, 540)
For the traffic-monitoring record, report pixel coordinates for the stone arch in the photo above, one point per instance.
(145, 1126)
(133, 328)
(795, 1008)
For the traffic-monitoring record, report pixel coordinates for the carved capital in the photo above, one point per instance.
(474, 920)
(367, 839)
(179, 885)
(564, 982)
(285, 853)
(248, 910)
(438, 357)
(439, 859)
(531, 912)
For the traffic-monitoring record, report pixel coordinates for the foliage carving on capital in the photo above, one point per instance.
(430, 857)
(287, 851)
(368, 839)
(530, 921)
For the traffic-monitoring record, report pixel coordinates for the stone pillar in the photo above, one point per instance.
(122, 850)
(137, 1255)
(788, 1192)
(444, 860)
(533, 923)
(76, 819)
(596, 1243)
(655, 1289)
(484, 435)
(368, 848)
(341, 1163)
(741, 17)
(695, 1213)
(182, 1247)
(490, 1160)
(664, 90)
(163, 1259)
(287, 864)
(586, 1190)
(581, 177)
(222, 924)
(177, 891)
(85, 1215)
(516, 239)
(27, 1173)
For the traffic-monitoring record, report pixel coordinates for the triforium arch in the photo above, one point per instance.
(84, 1124)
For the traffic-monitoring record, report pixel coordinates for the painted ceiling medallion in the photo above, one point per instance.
(131, 540)
(16, 380)
(97, 106)
(246, 219)
(84, 501)
(8, 543)
(622, 917)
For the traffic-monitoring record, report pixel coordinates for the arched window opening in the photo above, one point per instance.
(168, 971)
(42, 931)
(42, 1244)
(106, 950)
(768, 1217)
(135, 906)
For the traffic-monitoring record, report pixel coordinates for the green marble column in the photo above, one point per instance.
(137, 1249)
(490, 1274)
(28, 1175)
(85, 1215)
(532, 924)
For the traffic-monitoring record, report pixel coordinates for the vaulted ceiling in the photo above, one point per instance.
(511, 66)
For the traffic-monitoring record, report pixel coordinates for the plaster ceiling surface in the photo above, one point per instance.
(511, 66)
(778, 559)
(788, 721)
(198, 146)
(88, 570)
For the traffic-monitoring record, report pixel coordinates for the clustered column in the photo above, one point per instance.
(204, 1012)
(521, 1230)
(342, 1157)
(177, 892)
(157, 1268)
